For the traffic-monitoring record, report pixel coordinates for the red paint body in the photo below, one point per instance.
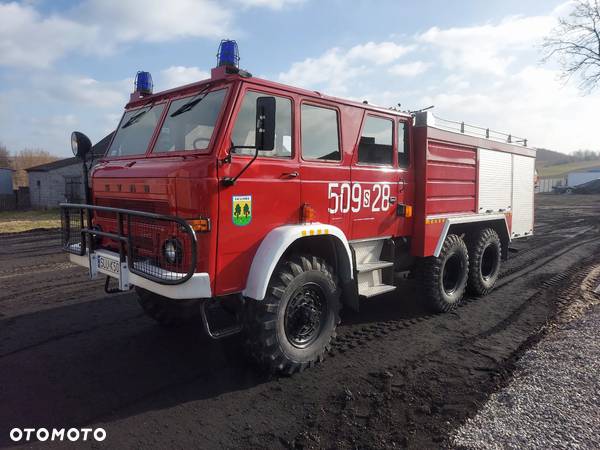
(440, 179)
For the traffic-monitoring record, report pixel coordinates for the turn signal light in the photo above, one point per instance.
(408, 212)
(201, 225)
(308, 213)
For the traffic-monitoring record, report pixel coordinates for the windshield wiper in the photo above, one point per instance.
(136, 117)
(192, 103)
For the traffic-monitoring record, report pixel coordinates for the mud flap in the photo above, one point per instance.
(350, 295)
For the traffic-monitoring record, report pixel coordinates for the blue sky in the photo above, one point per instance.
(69, 65)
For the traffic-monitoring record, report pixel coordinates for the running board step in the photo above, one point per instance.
(379, 289)
(375, 265)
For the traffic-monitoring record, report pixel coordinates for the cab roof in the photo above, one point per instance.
(224, 75)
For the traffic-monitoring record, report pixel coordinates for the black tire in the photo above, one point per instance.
(485, 252)
(166, 311)
(444, 279)
(292, 328)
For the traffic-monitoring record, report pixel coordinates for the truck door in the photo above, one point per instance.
(376, 181)
(266, 196)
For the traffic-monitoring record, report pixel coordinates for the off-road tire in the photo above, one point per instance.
(431, 275)
(167, 312)
(266, 330)
(483, 273)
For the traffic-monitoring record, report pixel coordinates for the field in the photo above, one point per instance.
(16, 221)
(397, 376)
(560, 170)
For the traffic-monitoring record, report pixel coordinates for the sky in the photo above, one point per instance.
(67, 65)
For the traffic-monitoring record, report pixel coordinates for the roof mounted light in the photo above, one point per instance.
(228, 53)
(143, 83)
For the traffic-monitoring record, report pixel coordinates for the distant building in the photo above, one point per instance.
(60, 181)
(6, 186)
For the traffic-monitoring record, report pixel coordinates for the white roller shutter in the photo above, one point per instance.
(522, 195)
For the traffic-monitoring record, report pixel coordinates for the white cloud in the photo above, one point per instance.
(487, 48)
(179, 75)
(29, 39)
(378, 53)
(157, 20)
(411, 69)
(486, 74)
(335, 68)
(83, 91)
(272, 4)
(531, 103)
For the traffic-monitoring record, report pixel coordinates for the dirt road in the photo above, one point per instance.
(397, 377)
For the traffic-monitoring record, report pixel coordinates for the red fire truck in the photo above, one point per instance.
(283, 205)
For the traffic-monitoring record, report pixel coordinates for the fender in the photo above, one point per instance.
(466, 219)
(276, 243)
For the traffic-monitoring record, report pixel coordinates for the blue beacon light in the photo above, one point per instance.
(143, 83)
(228, 53)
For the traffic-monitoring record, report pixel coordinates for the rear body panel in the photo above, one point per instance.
(461, 176)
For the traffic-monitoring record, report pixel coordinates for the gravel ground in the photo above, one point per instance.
(553, 401)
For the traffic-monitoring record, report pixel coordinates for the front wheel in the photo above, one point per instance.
(444, 279)
(293, 326)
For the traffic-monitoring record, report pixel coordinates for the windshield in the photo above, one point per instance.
(190, 122)
(135, 130)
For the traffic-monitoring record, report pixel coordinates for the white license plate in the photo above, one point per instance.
(106, 264)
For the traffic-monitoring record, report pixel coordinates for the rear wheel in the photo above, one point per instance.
(293, 326)
(166, 311)
(485, 252)
(444, 279)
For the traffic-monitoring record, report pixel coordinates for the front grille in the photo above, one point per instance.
(156, 207)
(137, 236)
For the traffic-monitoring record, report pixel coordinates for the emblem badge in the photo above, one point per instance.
(241, 210)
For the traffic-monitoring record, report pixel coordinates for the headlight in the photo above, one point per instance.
(74, 144)
(172, 251)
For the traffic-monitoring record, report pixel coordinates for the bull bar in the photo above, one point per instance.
(139, 237)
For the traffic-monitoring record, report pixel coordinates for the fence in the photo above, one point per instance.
(546, 184)
(19, 199)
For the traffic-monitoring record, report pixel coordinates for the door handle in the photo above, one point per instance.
(392, 200)
(290, 174)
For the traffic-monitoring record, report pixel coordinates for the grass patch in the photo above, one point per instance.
(560, 170)
(17, 221)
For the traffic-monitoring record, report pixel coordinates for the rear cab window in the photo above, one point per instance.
(403, 144)
(319, 133)
(376, 145)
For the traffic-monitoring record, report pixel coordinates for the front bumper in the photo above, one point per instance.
(139, 261)
(197, 286)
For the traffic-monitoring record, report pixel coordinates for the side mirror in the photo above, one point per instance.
(80, 144)
(265, 123)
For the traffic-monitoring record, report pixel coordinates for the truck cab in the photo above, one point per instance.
(288, 203)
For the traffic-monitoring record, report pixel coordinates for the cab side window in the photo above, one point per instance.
(319, 133)
(245, 126)
(376, 144)
(403, 146)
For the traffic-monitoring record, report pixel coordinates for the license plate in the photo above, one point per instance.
(111, 265)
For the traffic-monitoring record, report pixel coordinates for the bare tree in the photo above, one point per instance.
(28, 158)
(4, 156)
(575, 43)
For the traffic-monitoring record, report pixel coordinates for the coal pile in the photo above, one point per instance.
(591, 187)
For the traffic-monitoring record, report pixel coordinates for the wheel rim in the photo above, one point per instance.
(489, 262)
(452, 274)
(305, 315)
